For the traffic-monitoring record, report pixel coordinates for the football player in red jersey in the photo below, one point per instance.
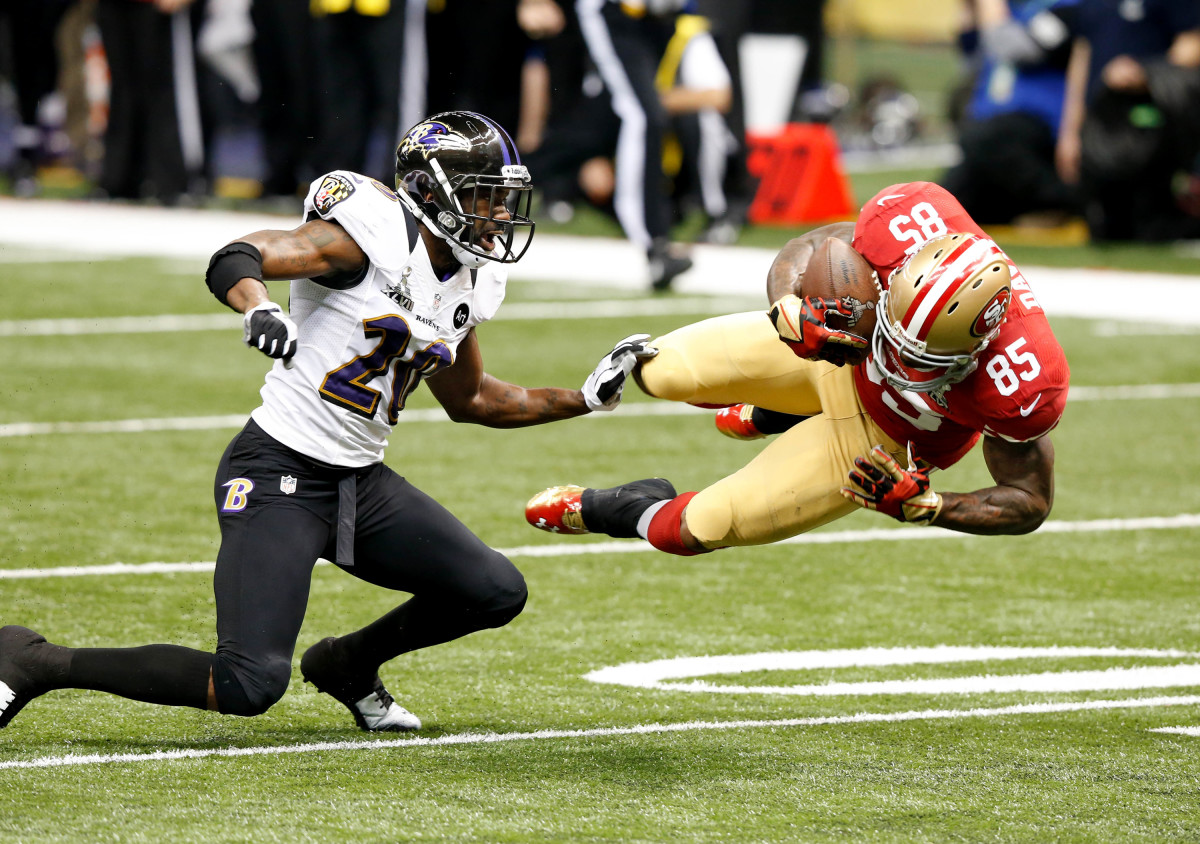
(961, 351)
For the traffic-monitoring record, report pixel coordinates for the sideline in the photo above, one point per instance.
(604, 732)
(110, 229)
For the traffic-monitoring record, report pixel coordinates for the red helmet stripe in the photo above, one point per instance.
(938, 288)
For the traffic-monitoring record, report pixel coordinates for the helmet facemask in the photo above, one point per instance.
(941, 309)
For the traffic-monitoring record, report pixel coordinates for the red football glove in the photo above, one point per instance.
(801, 324)
(885, 486)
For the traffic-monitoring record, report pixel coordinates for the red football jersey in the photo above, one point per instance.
(1018, 390)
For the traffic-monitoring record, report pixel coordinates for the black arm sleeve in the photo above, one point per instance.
(229, 265)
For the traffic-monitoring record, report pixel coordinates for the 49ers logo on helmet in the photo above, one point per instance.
(430, 137)
(992, 314)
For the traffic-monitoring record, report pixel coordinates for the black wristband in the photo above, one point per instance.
(229, 265)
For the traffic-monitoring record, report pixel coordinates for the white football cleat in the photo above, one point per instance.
(379, 712)
(375, 711)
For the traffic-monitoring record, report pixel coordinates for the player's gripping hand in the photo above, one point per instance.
(271, 331)
(602, 390)
(884, 485)
(801, 324)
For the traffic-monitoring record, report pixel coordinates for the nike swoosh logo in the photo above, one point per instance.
(1025, 411)
(884, 199)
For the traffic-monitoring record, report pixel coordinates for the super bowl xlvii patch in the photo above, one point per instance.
(334, 189)
(399, 292)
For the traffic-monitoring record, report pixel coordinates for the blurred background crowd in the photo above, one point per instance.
(1037, 111)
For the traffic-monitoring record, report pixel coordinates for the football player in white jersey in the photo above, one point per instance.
(388, 288)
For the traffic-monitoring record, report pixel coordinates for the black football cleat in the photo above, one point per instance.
(29, 667)
(373, 707)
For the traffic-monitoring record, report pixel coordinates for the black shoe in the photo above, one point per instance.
(373, 707)
(29, 666)
(665, 264)
(616, 510)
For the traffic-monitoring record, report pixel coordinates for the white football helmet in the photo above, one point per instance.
(940, 310)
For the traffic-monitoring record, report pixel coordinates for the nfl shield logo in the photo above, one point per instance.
(287, 484)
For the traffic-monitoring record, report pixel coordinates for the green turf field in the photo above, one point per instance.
(519, 745)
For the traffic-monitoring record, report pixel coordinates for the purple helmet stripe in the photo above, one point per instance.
(511, 156)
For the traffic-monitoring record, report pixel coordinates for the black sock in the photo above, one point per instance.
(772, 421)
(413, 625)
(166, 674)
(616, 510)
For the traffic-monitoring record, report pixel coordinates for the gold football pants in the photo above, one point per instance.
(792, 485)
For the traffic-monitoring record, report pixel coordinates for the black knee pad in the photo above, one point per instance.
(247, 686)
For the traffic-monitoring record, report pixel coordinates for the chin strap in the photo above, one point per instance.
(468, 259)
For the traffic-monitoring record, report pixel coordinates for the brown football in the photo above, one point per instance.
(837, 271)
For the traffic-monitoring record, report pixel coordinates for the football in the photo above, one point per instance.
(837, 271)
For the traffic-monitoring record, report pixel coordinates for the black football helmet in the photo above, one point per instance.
(445, 165)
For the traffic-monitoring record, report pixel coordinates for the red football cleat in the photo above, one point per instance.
(557, 510)
(736, 421)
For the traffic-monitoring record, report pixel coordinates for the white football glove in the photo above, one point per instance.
(602, 390)
(271, 331)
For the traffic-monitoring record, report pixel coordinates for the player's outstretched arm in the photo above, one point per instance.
(787, 270)
(1018, 503)
(469, 394)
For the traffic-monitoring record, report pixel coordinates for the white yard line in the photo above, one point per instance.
(1180, 731)
(662, 674)
(1184, 521)
(130, 426)
(1141, 329)
(601, 732)
(1131, 392)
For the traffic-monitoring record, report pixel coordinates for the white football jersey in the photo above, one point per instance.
(364, 349)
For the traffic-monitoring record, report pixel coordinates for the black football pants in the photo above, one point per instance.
(403, 540)
(279, 511)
